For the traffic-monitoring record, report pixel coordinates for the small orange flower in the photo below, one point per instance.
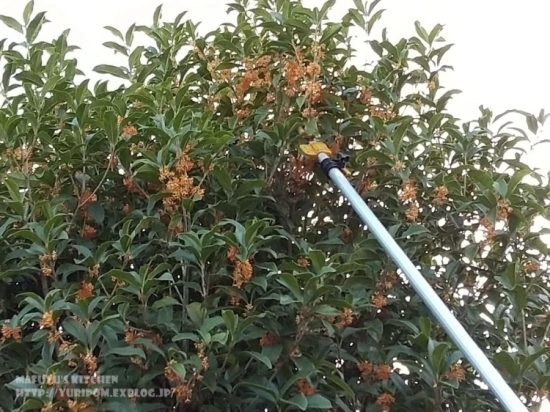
(183, 392)
(408, 191)
(531, 266)
(9, 333)
(305, 387)
(412, 213)
(379, 300)
(90, 361)
(440, 195)
(169, 372)
(385, 400)
(87, 197)
(345, 318)
(47, 321)
(382, 372)
(129, 130)
(303, 262)
(232, 254)
(365, 368)
(503, 209)
(86, 290)
(88, 232)
(268, 340)
(457, 372)
(242, 273)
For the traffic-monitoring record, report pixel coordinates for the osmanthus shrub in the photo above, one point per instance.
(168, 232)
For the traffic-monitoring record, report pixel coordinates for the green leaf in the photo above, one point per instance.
(506, 362)
(422, 33)
(128, 277)
(12, 23)
(291, 284)
(331, 31)
(112, 70)
(262, 358)
(415, 230)
(318, 261)
(114, 31)
(299, 401)
(318, 401)
(117, 47)
(516, 180)
(230, 321)
(437, 352)
(27, 12)
(96, 212)
(400, 133)
(126, 351)
(35, 26)
(75, 328)
(195, 312)
(165, 301)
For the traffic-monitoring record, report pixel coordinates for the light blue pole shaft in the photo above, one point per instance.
(439, 310)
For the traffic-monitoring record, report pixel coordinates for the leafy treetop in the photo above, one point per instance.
(169, 233)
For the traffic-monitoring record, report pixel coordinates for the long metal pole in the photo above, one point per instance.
(438, 309)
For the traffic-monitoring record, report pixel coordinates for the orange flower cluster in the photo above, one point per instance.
(131, 335)
(88, 232)
(336, 145)
(412, 213)
(178, 183)
(86, 290)
(300, 168)
(243, 271)
(382, 372)
(387, 281)
(77, 406)
(531, 266)
(305, 387)
(503, 209)
(365, 97)
(367, 185)
(408, 191)
(183, 388)
(85, 198)
(268, 340)
(303, 262)
(385, 400)
(489, 230)
(347, 235)
(257, 75)
(47, 321)
(457, 371)
(440, 195)
(379, 300)
(345, 318)
(384, 114)
(378, 372)
(47, 263)
(201, 353)
(10, 333)
(304, 78)
(129, 131)
(131, 185)
(93, 271)
(365, 368)
(90, 362)
(293, 72)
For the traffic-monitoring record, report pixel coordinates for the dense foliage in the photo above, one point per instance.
(170, 233)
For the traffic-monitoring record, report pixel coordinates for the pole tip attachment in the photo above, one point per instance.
(313, 149)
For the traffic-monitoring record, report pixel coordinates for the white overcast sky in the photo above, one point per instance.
(500, 55)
